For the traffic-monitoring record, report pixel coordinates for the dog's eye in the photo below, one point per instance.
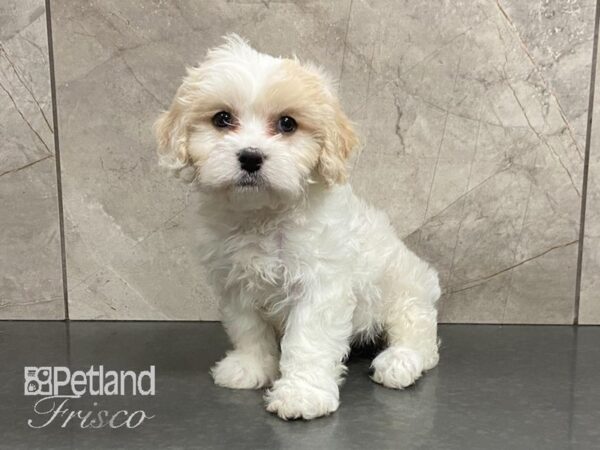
(286, 124)
(223, 119)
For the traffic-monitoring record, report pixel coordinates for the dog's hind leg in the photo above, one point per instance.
(411, 331)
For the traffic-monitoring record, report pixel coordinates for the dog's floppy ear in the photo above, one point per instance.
(339, 141)
(171, 135)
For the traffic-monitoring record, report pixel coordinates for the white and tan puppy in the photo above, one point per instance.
(302, 266)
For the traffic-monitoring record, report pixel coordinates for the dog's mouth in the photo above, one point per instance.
(250, 182)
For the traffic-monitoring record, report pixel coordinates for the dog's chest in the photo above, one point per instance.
(260, 263)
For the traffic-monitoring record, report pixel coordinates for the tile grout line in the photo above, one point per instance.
(61, 221)
(586, 163)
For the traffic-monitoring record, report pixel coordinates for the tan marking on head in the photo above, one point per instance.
(303, 93)
(171, 134)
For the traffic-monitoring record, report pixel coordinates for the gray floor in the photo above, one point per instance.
(496, 387)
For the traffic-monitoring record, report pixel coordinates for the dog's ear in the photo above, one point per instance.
(171, 135)
(339, 141)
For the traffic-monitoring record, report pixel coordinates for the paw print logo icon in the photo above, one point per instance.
(38, 381)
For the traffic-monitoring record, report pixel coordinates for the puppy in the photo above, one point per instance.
(301, 265)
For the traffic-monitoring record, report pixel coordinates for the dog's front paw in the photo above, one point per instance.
(397, 367)
(240, 370)
(295, 399)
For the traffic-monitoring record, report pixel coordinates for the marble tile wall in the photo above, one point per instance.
(589, 307)
(473, 124)
(129, 227)
(484, 165)
(30, 261)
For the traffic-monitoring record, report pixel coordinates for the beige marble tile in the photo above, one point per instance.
(471, 141)
(589, 306)
(558, 37)
(129, 227)
(469, 149)
(30, 262)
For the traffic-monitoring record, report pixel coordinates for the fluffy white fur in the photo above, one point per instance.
(302, 266)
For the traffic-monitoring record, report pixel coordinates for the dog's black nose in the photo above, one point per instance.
(250, 160)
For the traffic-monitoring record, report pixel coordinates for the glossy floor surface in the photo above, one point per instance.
(496, 387)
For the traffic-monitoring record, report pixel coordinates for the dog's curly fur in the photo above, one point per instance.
(302, 266)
